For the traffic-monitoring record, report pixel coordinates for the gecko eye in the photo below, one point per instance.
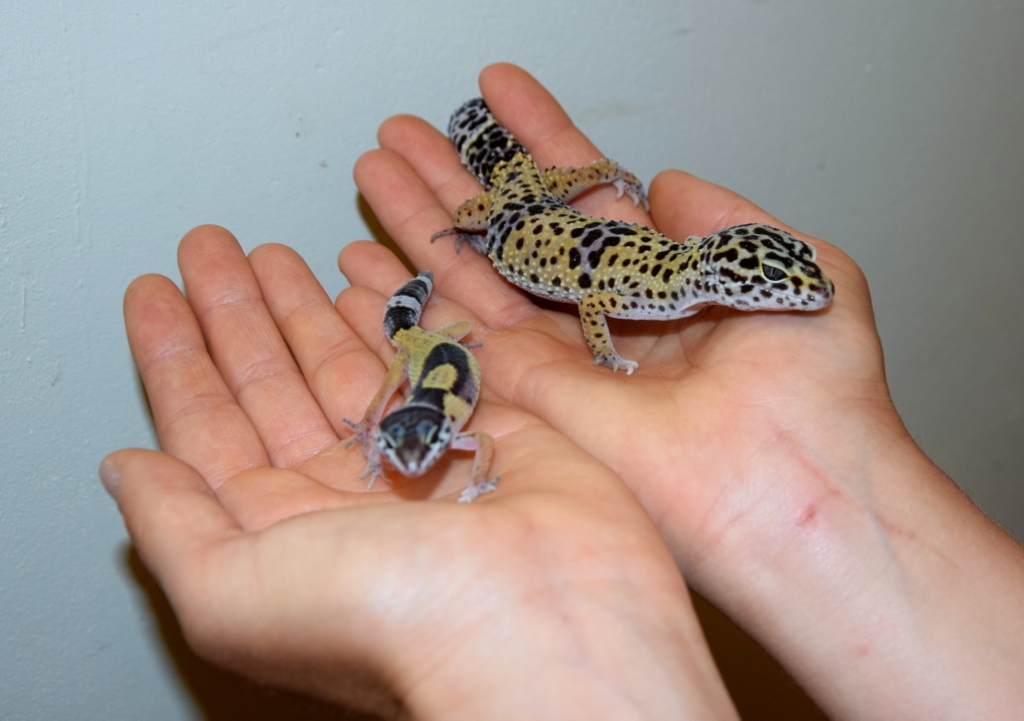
(426, 431)
(773, 273)
(392, 436)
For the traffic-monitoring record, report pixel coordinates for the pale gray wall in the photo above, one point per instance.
(892, 129)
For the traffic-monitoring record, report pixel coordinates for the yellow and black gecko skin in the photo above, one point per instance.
(444, 379)
(609, 267)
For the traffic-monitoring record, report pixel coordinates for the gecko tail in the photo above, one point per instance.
(404, 309)
(481, 141)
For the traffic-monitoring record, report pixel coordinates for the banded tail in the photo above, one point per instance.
(481, 141)
(404, 309)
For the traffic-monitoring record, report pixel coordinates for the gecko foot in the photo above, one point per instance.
(616, 363)
(460, 237)
(629, 185)
(475, 490)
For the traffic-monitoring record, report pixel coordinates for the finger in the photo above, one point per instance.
(169, 509)
(263, 497)
(370, 265)
(246, 601)
(432, 156)
(339, 368)
(197, 418)
(248, 348)
(535, 117)
(373, 266)
(683, 205)
(410, 214)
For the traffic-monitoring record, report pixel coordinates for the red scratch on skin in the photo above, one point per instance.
(807, 515)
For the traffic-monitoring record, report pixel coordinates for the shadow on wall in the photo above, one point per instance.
(759, 687)
(379, 235)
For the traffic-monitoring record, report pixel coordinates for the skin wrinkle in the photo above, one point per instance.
(196, 405)
(175, 346)
(320, 373)
(282, 458)
(231, 296)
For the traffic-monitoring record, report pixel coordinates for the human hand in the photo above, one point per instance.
(765, 446)
(714, 394)
(554, 598)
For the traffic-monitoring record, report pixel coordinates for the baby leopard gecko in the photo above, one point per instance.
(444, 379)
(610, 268)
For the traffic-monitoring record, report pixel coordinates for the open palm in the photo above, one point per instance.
(255, 521)
(727, 411)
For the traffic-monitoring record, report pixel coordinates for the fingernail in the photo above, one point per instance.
(110, 477)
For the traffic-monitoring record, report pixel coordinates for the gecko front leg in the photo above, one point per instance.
(483, 445)
(593, 308)
(366, 428)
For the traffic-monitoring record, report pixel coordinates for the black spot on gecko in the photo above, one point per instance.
(592, 237)
(584, 280)
(574, 258)
(730, 255)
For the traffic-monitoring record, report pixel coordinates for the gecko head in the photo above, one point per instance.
(413, 437)
(759, 267)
